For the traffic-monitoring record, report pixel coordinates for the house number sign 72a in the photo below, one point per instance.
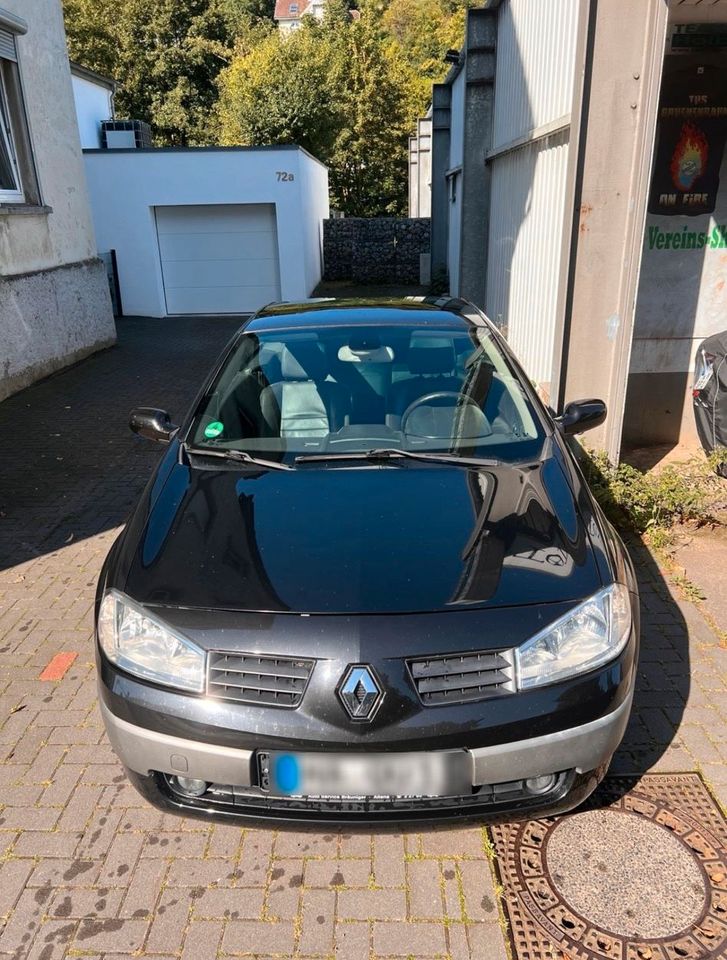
(284, 176)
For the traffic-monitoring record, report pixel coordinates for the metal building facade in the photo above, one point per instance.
(534, 87)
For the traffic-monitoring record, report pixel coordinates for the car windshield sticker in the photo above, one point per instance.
(214, 429)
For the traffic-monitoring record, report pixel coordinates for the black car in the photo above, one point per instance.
(367, 582)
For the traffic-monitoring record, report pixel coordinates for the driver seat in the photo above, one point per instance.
(432, 362)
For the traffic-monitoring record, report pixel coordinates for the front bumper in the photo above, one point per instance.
(579, 756)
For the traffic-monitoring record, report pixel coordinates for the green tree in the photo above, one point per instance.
(337, 88)
(377, 109)
(250, 9)
(348, 89)
(424, 30)
(91, 35)
(166, 55)
(276, 91)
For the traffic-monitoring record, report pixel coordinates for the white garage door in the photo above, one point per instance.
(219, 259)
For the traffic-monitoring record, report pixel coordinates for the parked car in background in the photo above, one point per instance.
(709, 396)
(367, 582)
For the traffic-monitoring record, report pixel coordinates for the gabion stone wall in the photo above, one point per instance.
(380, 250)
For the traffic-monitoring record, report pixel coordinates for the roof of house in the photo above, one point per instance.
(79, 70)
(290, 9)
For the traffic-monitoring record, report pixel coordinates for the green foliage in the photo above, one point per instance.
(376, 111)
(649, 502)
(90, 33)
(336, 88)
(277, 91)
(424, 30)
(166, 55)
(242, 11)
(217, 71)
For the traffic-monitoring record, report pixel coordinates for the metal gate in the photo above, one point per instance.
(534, 91)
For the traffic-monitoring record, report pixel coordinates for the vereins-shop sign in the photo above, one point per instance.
(691, 137)
(686, 239)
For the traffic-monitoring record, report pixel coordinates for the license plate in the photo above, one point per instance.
(443, 773)
(702, 382)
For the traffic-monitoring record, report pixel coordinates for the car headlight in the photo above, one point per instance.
(140, 644)
(585, 638)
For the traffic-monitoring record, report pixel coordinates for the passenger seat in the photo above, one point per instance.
(304, 403)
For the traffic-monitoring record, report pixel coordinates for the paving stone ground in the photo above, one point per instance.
(87, 868)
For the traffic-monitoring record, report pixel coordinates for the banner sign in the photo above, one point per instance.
(691, 134)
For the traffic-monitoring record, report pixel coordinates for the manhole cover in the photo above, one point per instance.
(638, 873)
(604, 864)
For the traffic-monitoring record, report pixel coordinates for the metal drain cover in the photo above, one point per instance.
(639, 872)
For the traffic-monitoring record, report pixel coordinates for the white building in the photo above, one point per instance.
(420, 169)
(579, 195)
(288, 13)
(93, 95)
(209, 230)
(54, 297)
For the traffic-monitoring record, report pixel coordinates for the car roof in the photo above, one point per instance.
(330, 312)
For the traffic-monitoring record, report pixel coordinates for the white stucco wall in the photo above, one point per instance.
(94, 104)
(54, 299)
(66, 235)
(126, 186)
(314, 210)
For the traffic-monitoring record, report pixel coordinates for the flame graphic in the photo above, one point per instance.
(689, 159)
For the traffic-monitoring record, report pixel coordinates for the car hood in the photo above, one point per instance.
(347, 539)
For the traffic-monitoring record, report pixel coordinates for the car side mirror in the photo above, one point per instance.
(581, 415)
(152, 424)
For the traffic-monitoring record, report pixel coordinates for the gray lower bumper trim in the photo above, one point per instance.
(145, 750)
(585, 748)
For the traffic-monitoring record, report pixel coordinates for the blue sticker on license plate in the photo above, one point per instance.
(286, 773)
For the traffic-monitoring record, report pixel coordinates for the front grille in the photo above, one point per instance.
(274, 681)
(462, 678)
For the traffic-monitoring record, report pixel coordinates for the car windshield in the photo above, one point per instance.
(348, 389)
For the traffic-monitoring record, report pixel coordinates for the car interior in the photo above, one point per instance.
(354, 388)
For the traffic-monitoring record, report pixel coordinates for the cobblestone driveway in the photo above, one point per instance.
(86, 868)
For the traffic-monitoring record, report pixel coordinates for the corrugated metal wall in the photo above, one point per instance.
(526, 216)
(536, 46)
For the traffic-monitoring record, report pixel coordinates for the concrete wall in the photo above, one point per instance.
(94, 104)
(454, 181)
(476, 172)
(441, 130)
(616, 142)
(461, 137)
(126, 186)
(76, 310)
(50, 318)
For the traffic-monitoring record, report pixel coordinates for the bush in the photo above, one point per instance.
(653, 501)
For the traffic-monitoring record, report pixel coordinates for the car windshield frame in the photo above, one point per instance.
(485, 344)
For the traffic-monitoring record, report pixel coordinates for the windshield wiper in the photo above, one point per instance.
(393, 453)
(242, 456)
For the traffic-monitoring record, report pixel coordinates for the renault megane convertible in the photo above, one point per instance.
(367, 582)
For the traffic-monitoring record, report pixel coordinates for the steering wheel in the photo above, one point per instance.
(438, 395)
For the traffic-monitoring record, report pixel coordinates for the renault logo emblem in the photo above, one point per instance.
(360, 693)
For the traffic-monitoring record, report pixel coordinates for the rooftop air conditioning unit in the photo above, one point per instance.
(125, 134)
